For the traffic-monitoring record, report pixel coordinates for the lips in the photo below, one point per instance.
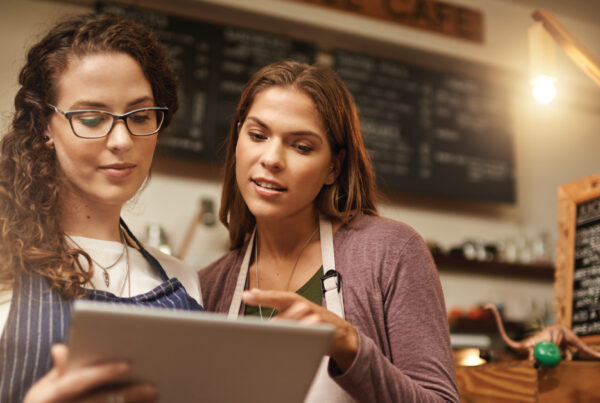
(268, 185)
(118, 170)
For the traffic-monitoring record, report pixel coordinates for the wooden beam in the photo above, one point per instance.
(576, 52)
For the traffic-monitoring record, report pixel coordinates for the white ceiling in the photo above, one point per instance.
(587, 11)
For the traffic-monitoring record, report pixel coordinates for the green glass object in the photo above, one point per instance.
(547, 353)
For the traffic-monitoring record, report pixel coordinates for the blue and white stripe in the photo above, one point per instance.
(39, 317)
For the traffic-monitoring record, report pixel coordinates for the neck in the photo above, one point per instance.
(81, 218)
(283, 239)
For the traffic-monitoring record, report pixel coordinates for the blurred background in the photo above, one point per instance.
(463, 152)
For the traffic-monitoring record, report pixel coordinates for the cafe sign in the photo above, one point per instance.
(435, 16)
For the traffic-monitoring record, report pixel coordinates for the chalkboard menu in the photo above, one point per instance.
(213, 62)
(432, 132)
(586, 277)
(427, 131)
(577, 277)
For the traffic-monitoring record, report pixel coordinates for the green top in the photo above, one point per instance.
(311, 290)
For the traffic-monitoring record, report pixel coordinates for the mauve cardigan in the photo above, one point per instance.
(392, 295)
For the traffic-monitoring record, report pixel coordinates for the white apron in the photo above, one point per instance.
(323, 388)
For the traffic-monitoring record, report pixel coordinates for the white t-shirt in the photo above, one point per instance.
(141, 275)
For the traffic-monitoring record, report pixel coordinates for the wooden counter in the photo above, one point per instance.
(519, 381)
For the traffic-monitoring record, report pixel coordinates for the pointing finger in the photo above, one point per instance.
(279, 300)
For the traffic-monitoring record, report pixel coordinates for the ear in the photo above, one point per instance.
(48, 140)
(336, 167)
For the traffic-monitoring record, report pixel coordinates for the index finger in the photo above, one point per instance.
(279, 300)
(81, 380)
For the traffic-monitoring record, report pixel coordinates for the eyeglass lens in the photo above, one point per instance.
(98, 124)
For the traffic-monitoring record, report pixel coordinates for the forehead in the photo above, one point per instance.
(105, 77)
(287, 108)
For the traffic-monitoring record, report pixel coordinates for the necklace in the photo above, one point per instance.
(287, 284)
(128, 273)
(105, 273)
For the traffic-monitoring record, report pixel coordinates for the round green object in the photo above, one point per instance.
(547, 353)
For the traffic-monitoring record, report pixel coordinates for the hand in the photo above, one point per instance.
(292, 306)
(84, 384)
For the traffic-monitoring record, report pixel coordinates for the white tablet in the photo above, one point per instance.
(201, 357)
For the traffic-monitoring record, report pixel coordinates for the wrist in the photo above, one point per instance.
(346, 352)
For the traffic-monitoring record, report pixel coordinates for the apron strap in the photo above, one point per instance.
(236, 301)
(331, 284)
(154, 263)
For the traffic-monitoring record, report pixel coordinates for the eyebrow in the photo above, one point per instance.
(294, 133)
(93, 104)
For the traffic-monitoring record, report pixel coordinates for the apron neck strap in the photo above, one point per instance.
(236, 301)
(154, 263)
(331, 282)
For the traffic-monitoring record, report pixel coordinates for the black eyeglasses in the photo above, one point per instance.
(94, 124)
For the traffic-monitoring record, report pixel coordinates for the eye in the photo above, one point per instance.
(303, 148)
(140, 117)
(257, 136)
(91, 119)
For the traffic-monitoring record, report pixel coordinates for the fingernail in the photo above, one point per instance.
(147, 391)
(123, 367)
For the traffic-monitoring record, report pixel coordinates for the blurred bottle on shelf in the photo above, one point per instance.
(155, 236)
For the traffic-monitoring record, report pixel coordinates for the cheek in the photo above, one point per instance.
(149, 147)
(73, 156)
(317, 172)
(238, 167)
(242, 158)
(240, 175)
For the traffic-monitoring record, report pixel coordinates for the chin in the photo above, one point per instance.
(116, 199)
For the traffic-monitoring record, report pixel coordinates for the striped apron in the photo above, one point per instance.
(39, 317)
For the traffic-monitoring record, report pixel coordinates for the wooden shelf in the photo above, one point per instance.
(457, 263)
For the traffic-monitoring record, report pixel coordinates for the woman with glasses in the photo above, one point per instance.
(94, 94)
(299, 202)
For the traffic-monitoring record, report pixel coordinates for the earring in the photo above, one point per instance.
(45, 138)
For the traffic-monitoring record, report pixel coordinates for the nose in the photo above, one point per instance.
(119, 139)
(273, 155)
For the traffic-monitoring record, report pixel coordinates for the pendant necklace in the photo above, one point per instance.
(105, 274)
(287, 284)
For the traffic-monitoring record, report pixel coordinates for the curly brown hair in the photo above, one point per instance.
(354, 190)
(31, 238)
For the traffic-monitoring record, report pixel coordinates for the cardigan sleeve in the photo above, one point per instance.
(418, 366)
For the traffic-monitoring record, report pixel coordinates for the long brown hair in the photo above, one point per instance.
(31, 238)
(354, 189)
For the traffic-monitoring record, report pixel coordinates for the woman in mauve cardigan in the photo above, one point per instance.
(299, 200)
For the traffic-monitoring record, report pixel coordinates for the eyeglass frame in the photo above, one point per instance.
(69, 114)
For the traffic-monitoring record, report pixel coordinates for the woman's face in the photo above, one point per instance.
(283, 156)
(108, 170)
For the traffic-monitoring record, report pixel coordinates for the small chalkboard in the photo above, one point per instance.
(431, 131)
(577, 283)
(213, 63)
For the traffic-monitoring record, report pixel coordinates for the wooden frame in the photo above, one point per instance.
(569, 196)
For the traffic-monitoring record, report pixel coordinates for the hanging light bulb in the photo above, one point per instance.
(542, 63)
(544, 89)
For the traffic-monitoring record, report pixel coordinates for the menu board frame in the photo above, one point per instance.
(570, 196)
